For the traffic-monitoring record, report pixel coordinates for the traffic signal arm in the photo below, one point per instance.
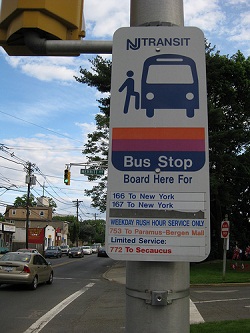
(52, 20)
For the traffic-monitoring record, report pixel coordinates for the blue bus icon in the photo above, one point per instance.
(169, 81)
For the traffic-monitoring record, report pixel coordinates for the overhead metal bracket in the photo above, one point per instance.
(40, 46)
(158, 297)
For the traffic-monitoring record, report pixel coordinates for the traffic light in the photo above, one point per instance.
(51, 19)
(66, 177)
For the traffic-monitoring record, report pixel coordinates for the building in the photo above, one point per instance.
(6, 236)
(40, 223)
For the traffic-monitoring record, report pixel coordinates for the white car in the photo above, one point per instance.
(87, 249)
(65, 249)
(94, 249)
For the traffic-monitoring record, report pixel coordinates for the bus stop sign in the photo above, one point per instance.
(158, 174)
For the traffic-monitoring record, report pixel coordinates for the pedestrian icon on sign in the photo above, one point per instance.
(129, 84)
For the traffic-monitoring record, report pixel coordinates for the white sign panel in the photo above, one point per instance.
(158, 175)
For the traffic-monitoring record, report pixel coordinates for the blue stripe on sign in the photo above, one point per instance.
(166, 161)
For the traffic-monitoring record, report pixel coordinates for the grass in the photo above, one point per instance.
(231, 326)
(212, 272)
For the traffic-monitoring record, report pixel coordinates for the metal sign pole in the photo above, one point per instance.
(225, 235)
(150, 285)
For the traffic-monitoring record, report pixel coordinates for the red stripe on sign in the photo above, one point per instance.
(172, 133)
(158, 145)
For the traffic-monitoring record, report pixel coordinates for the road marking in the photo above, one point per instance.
(215, 291)
(195, 316)
(223, 300)
(45, 319)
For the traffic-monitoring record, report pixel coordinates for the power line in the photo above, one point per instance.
(45, 128)
(12, 155)
(46, 149)
(51, 190)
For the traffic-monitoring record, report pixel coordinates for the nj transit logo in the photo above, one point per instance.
(137, 43)
(165, 149)
(168, 81)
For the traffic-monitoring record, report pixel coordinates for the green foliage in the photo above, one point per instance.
(210, 272)
(98, 194)
(74, 230)
(52, 204)
(96, 148)
(228, 86)
(242, 326)
(92, 231)
(68, 218)
(87, 232)
(22, 201)
(99, 76)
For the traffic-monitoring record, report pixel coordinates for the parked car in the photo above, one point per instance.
(26, 268)
(4, 249)
(102, 252)
(97, 245)
(76, 252)
(28, 250)
(53, 252)
(94, 248)
(65, 249)
(87, 249)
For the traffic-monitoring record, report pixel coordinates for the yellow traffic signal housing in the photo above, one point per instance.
(66, 177)
(52, 19)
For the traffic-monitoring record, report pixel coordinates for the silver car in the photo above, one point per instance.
(28, 250)
(65, 249)
(76, 252)
(30, 269)
(87, 249)
(53, 252)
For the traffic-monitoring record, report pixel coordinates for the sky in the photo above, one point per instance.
(46, 115)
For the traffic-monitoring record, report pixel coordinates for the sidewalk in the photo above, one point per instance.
(117, 273)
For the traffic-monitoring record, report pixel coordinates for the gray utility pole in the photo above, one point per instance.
(77, 214)
(165, 283)
(77, 208)
(27, 205)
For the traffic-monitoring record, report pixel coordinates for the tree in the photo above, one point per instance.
(52, 204)
(22, 201)
(87, 232)
(68, 218)
(96, 148)
(228, 86)
(74, 230)
(92, 231)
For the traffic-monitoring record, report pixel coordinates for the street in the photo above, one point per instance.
(80, 279)
(217, 303)
(80, 300)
